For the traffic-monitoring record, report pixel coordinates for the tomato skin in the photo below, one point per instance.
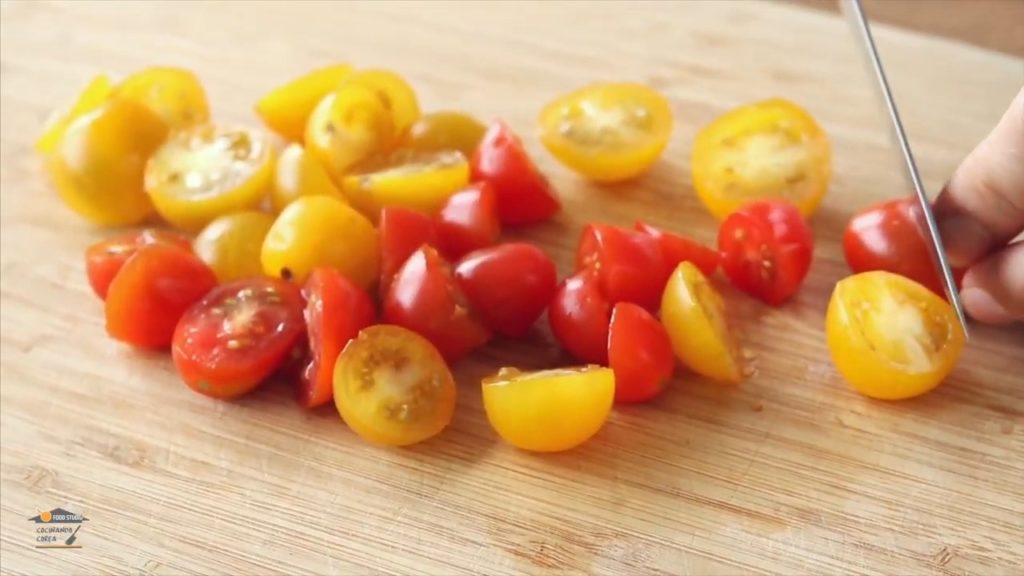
(524, 194)
(336, 310)
(509, 286)
(628, 264)
(286, 108)
(767, 248)
(640, 353)
(446, 130)
(468, 221)
(403, 231)
(579, 314)
(175, 94)
(393, 91)
(151, 293)
(103, 260)
(420, 181)
(92, 95)
(231, 244)
(425, 298)
(298, 173)
(235, 337)
(348, 126)
(676, 249)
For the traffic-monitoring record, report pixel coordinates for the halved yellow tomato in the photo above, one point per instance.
(607, 132)
(297, 173)
(286, 108)
(768, 150)
(350, 125)
(231, 244)
(549, 410)
(175, 94)
(440, 131)
(890, 337)
(208, 171)
(694, 315)
(406, 178)
(92, 96)
(395, 94)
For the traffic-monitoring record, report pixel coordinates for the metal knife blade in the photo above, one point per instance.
(854, 12)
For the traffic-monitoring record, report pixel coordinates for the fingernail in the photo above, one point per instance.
(965, 240)
(983, 307)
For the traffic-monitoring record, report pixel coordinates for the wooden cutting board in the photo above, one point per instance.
(789, 473)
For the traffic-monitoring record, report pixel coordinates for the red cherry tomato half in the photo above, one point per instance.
(524, 194)
(425, 298)
(639, 352)
(402, 232)
(152, 291)
(886, 236)
(104, 260)
(628, 264)
(238, 335)
(579, 314)
(508, 285)
(336, 310)
(676, 249)
(468, 221)
(766, 249)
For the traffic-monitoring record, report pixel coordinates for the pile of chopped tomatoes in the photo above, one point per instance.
(355, 247)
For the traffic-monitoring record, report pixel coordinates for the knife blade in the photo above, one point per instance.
(854, 12)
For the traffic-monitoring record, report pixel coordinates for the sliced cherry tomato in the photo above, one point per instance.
(298, 173)
(549, 410)
(425, 298)
(99, 162)
(175, 94)
(316, 231)
(286, 108)
(91, 97)
(336, 310)
(628, 264)
(209, 171)
(420, 181)
(640, 353)
(151, 293)
(468, 221)
(524, 194)
(890, 337)
(676, 249)
(766, 249)
(579, 314)
(397, 96)
(694, 316)
(769, 150)
(349, 126)
(238, 335)
(402, 232)
(231, 244)
(104, 260)
(392, 387)
(440, 131)
(509, 285)
(607, 132)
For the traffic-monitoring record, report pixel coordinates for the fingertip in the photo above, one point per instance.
(981, 306)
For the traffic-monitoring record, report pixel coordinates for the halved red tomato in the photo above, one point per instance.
(628, 264)
(403, 231)
(579, 314)
(640, 353)
(524, 194)
(468, 221)
(676, 249)
(104, 260)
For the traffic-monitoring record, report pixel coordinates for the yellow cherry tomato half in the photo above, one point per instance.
(175, 94)
(395, 94)
(92, 96)
(607, 132)
(296, 174)
(890, 337)
(209, 171)
(318, 231)
(231, 244)
(286, 108)
(694, 315)
(768, 150)
(406, 178)
(440, 131)
(347, 127)
(99, 163)
(549, 410)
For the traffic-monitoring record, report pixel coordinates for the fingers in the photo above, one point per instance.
(982, 206)
(993, 289)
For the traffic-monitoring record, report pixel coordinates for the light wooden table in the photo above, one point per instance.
(789, 473)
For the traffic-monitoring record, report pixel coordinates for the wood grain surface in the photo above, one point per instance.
(789, 473)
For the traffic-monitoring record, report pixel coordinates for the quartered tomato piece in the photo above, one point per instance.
(175, 94)
(549, 410)
(425, 298)
(468, 221)
(151, 293)
(579, 314)
(396, 95)
(402, 233)
(237, 336)
(766, 249)
(676, 249)
(440, 131)
(639, 352)
(891, 338)
(104, 260)
(769, 150)
(298, 173)
(694, 316)
(420, 181)
(628, 264)
(287, 107)
(524, 194)
(209, 171)
(91, 97)
(231, 244)
(348, 126)
(607, 132)
(336, 310)
(392, 387)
